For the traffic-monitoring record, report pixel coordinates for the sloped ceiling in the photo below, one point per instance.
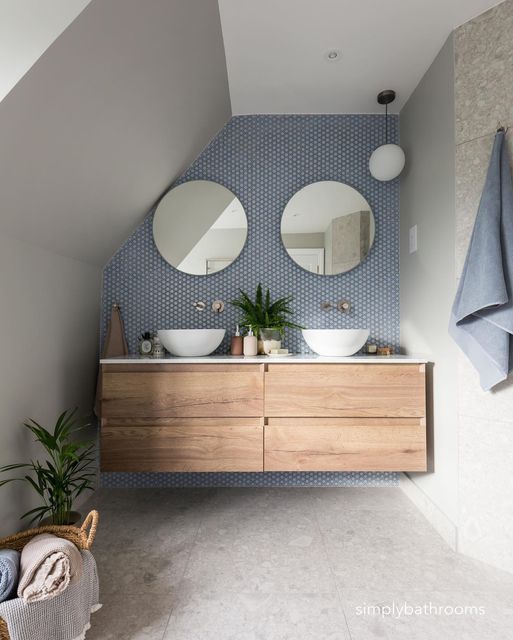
(276, 50)
(115, 109)
(27, 29)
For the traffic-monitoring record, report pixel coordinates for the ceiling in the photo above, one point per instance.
(27, 29)
(275, 50)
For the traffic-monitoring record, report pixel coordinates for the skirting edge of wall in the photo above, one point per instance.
(435, 516)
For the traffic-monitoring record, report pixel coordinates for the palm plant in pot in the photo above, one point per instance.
(66, 473)
(267, 318)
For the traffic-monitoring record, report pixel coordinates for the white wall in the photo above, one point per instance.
(49, 309)
(109, 116)
(427, 276)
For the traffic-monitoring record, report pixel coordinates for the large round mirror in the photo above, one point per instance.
(200, 227)
(327, 227)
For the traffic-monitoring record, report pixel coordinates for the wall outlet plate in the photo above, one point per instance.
(413, 239)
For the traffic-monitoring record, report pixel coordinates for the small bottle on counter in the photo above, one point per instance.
(237, 345)
(146, 345)
(250, 343)
(158, 347)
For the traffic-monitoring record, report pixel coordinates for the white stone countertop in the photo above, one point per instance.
(296, 358)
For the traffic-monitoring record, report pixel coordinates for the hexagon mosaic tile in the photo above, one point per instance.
(269, 479)
(264, 160)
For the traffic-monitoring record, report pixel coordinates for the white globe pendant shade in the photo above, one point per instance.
(386, 162)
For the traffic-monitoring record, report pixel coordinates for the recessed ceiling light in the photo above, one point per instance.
(333, 55)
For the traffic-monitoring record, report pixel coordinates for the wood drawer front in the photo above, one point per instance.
(201, 391)
(345, 390)
(345, 445)
(182, 445)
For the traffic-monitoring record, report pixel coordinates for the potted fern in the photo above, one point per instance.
(66, 473)
(267, 318)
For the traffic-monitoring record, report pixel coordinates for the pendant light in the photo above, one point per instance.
(387, 161)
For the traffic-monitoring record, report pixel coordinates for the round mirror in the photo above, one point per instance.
(200, 227)
(327, 228)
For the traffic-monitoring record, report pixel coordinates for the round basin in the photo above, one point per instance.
(335, 342)
(191, 342)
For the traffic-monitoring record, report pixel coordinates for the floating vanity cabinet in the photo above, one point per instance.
(240, 415)
(179, 417)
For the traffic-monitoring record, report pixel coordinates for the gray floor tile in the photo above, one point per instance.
(343, 499)
(141, 501)
(131, 618)
(283, 563)
(253, 616)
(400, 551)
(232, 561)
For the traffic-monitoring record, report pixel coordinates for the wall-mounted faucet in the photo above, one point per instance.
(217, 306)
(344, 306)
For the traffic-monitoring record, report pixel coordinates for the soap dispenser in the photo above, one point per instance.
(236, 347)
(250, 343)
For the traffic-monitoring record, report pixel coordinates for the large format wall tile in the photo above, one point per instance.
(484, 95)
(486, 487)
(484, 73)
(496, 404)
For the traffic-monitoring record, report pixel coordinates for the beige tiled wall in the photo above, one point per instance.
(483, 97)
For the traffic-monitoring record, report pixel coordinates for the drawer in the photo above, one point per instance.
(177, 444)
(345, 390)
(330, 444)
(195, 391)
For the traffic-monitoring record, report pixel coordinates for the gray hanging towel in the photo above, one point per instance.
(115, 345)
(482, 314)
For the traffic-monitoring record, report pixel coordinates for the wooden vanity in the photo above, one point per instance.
(229, 414)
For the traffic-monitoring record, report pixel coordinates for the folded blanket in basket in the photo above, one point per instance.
(9, 572)
(47, 565)
(65, 617)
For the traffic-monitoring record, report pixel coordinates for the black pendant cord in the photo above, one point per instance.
(386, 97)
(386, 124)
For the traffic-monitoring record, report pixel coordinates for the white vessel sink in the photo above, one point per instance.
(335, 342)
(191, 342)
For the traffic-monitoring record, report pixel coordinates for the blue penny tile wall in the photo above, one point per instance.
(264, 160)
(269, 479)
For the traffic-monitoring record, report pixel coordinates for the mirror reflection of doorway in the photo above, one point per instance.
(310, 259)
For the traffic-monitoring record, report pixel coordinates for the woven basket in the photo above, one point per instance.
(82, 538)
